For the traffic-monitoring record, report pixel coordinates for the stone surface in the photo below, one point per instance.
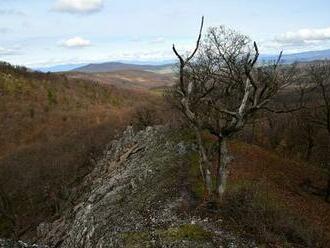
(18, 244)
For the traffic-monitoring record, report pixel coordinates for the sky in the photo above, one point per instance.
(38, 33)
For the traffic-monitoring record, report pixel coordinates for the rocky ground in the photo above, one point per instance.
(19, 244)
(133, 198)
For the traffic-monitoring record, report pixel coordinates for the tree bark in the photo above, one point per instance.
(223, 163)
(205, 165)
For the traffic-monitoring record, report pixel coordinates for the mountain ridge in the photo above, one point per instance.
(120, 66)
(307, 56)
(167, 65)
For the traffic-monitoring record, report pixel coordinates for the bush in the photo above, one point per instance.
(260, 215)
(151, 113)
(145, 115)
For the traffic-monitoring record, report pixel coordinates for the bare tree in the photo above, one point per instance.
(220, 88)
(320, 77)
(184, 94)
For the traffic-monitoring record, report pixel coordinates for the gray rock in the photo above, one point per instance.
(19, 244)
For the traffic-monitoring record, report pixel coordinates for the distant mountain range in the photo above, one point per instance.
(167, 66)
(298, 57)
(117, 66)
(154, 66)
(60, 68)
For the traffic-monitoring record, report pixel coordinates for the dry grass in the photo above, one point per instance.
(284, 177)
(255, 211)
(266, 199)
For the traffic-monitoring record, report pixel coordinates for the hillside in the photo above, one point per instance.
(51, 128)
(157, 168)
(74, 180)
(36, 100)
(133, 199)
(128, 79)
(284, 177)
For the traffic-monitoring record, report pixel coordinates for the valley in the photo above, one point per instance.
(128, 79)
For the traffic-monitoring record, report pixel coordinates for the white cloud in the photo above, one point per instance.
(6, 51)
(305, 36)
(75, 42)
(78, 6)
(4, 30)
(129, 56)
(298, 41)
(12, 12)
(136, 39)
(158, 40)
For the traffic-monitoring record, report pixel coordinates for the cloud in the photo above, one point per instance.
(158, 40)
(298, 41)
(12, 12)
(155, 55)
(7, 52)
(4, 30)
(75, 42)
(78, 6)
(135, 39)
(148, 40)
(305, 36)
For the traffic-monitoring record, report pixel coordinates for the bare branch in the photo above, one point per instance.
(279, 59)
(184, 61)
(256, 56)
(283, 111)
(198, 41)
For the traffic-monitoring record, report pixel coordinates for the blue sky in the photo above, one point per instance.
(48, 32)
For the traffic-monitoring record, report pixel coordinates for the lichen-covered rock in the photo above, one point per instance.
(131, 199)
(19, 244)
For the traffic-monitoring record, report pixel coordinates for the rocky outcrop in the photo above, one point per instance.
(132, 199)
(19, 244)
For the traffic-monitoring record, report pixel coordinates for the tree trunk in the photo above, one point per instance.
(223, 162)
(327, 195)
(205, 165)
(309, 149)
(310, 142)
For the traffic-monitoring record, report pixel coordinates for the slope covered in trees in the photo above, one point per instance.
(51, 129)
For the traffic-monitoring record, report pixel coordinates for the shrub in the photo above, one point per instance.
(259, 214)
(144, 116)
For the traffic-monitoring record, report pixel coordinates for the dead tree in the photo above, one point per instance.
(220, 88)
(183, 92)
